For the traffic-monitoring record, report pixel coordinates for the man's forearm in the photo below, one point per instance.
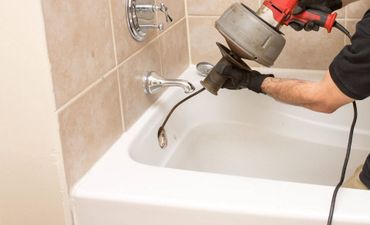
(321, 96)
(294, 92)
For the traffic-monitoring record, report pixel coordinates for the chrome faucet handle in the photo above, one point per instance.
(152, 8)
(141, 17)
(163, 8)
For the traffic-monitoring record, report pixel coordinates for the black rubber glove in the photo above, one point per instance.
(239, 79)
(327, 6)
(310, 26)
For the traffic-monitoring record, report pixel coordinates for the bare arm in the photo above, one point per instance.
(323, 96)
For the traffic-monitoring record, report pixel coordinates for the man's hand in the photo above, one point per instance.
(325, 6)
(239, 79)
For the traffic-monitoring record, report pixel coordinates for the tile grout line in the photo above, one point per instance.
(87, 89)
(120, 101)
(190, 58)
(159, 37)
(113, 33)
(117, 72)
(204, 16)
(160, 40)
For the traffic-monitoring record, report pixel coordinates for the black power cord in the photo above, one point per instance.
(349, 146)
(345, 164)
(343, 29)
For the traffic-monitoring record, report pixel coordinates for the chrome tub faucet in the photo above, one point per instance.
(153, 83)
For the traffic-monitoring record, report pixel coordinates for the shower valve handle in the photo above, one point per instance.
(153, 8)
(163, 8)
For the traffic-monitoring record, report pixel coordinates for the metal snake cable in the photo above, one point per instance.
(161, 130)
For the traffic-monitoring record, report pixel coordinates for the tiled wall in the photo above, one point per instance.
(97, 69)
(303, 50)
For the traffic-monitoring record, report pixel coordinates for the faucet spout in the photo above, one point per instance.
(153, 83)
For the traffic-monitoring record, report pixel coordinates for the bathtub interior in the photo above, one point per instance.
(244, 134)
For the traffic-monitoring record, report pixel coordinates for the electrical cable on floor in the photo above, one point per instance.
(349, 146)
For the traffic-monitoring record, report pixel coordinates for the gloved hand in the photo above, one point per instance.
(239, 79)
(326, 6)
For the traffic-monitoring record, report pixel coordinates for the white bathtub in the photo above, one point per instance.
(236, 159)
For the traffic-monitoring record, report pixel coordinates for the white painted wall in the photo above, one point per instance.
(32, 184)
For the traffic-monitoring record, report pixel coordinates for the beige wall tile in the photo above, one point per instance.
(357, 10)
(208, 7)
(125, 44)
(341, 13)
(174, 50)
(310, 50)
(80, 44)
(214, 7)
(131, 72)
(89, 126)
(351, 25)
(203, 37)
(253, 4)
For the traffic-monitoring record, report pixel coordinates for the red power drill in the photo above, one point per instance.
(256, 35)
(282, 12)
